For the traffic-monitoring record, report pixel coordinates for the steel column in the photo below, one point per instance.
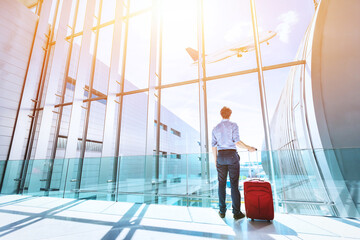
(62, 99)
(158, 112)
(150, 143)
(30, 85)
(204, 148)
(109, 126)
(109, 138)
(91, 83)
(56, 69)
(83, 74)
(262, 92)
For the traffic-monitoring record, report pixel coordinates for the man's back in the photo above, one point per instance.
(225, 135)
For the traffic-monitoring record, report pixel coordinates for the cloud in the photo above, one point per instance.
(287, 21)
(239, 31)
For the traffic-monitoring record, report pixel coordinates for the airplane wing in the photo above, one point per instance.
(244, 49)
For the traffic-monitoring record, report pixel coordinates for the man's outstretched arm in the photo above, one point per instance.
(240, 144)
(214, 150)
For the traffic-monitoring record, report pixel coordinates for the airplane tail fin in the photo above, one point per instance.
(193, 54)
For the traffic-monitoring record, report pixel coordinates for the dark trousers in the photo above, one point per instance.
(228, 161)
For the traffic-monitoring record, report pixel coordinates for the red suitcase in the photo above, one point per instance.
(258, 200)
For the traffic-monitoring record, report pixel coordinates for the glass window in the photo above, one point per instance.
(289, 21)
(108, 10)
(229, 44)
(74, 60)
(133, 124)
(103, 57)
(72, 17)
(81, 16)
(138, 5)
(179, 34)
(95, 128)
(275, 82)
(63, 131)
(180, 113)
(241, 95)
(138, 52)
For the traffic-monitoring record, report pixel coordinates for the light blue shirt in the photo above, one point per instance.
(225, 135)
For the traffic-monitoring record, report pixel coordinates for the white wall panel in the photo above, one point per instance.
(17, 27)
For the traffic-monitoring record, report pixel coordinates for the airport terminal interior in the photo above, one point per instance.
(107, 109)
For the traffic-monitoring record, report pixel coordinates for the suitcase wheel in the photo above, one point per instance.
(252, 219)
(269, 221)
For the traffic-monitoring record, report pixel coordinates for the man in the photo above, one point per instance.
(225, 138)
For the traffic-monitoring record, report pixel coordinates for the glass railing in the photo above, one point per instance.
(312, 182)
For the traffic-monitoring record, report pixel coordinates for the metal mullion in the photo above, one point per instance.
(59, 58)
(74, 35)
(39, 95)
(152, 79)
(33, 5)
(63, 92)
(87, 113)
(158, 117)
(94, 99)
(84, 63)
(38, 7)
(33, 123)
(177, 84)
(122, 82)
(132, 92)
(217, 77)
(70, 103)
(204, 148)
(263, 94)
(109, 123)
(105, 24)
(38, 98)
(63, 104)
(137, 13)
(284, 65)
(234, 74)
(150, 145)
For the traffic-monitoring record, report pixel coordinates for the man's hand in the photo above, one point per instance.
(252, 149)
(240, 144)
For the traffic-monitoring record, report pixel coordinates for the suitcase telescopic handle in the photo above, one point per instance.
(257, 166)
(258, 179)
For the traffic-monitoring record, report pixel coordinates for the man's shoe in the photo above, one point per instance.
(239, 216)
(222, 215)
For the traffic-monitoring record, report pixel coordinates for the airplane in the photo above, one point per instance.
(235, 50)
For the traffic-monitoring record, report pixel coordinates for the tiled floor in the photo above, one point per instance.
(24, 217)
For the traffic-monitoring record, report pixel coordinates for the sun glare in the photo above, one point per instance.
(179, 24)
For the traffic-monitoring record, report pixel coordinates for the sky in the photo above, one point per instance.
(226, 22)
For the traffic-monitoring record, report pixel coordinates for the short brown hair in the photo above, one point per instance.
(225, 112)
